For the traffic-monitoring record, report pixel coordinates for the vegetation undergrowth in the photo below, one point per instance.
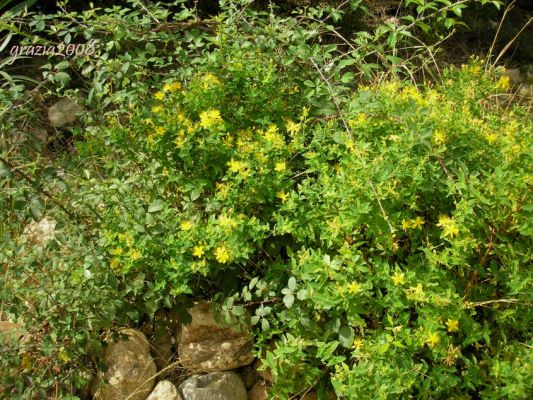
(377, 235)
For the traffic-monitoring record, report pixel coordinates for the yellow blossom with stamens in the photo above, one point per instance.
(452, 325)
(283, 196)
(198, 251)
(210, 118)
(354, 288)
(439, 137)
(398, 278)
(222, 254)
(448, 225)
(417, 222)
(292, 127)
(236, 166)
(159, 95)
(432, 339)
(135, 255)
(280, 167)
(186, 225)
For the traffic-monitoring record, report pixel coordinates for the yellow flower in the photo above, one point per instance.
(448, 225)
(116, 251)
(491, 137)
(210, 118)
(209, 80)
(292, 127)
(417, 222)
(226, 222)
(503, 83)
(406, 224)
(236, 166)
(416, 293)
(398, 278)
(452, 325)
(114, 263)
(354, 288)
(156, 109)
(198, 251)
(223, 189)
(280, 167)
(159, 95)
(186, 225)
(283, 196)
(222, 255)
(439, 137)
(135, 255)
(358, 343)
(432, 339)
(175, 86)
(159, 130)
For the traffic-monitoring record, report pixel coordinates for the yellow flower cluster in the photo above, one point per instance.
(198, 251)
(283, 196)
(432, 339)
(209, 80)
(186, 225)
(416, 293)
(448, 225)
(210, 118)
(452, 325)
(415, 223)
(280, 167)
(273, 136)
(398, 278)
(354, 288)
(237, 166)
(222, 254)
(292, 127)
(439, 137)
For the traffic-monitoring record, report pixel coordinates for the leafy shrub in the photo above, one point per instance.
(383, 251)
(379, 234)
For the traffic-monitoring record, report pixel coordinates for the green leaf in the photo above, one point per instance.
(346, 335)
(288, 300)
(155, 206)
(292, 283)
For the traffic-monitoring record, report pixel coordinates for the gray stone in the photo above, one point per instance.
(164, 390)
(214, 386)
(205, 345)
(130, 370)
(63, 112)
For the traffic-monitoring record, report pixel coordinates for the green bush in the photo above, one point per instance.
(380, 235)
(384, 252)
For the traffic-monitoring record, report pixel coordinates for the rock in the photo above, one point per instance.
(259, 391)
(204, 345)
(130, 370)
(214, 386)
(39, 232)
(63, 112)
(248, 376)
(164, 390)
